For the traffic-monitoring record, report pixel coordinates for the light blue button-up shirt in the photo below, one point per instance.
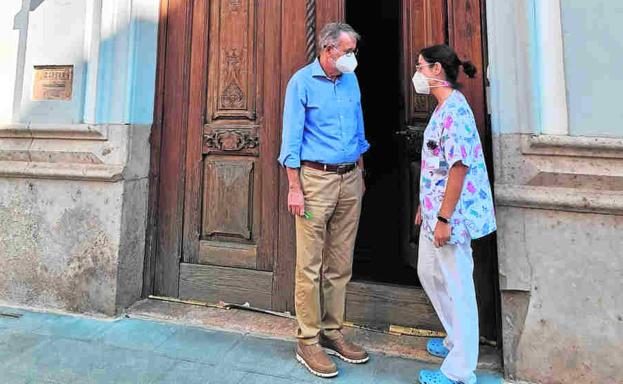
(322, 119)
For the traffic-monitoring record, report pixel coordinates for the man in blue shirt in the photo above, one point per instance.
(322, 146)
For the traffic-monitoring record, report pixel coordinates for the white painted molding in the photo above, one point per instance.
(115, 31)
(55, 131)
(559, 199)
(510, 29)
(551, 79)
(91, 53)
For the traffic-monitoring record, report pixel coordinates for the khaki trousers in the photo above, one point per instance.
(324, 250)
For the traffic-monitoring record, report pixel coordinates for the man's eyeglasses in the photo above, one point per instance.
(353, 51)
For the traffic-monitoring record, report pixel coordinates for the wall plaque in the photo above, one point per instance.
(53, 82)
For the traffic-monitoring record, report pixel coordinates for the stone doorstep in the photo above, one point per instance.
(283, 328)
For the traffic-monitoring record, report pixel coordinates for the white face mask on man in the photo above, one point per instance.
(346, 63)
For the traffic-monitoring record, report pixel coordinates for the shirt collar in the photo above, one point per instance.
(317, 71)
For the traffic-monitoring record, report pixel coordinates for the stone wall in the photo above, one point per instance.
(560, 214)
(72, 217)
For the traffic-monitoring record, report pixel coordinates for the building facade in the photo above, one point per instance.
(75, 151)
(138, 143)
(557, 144)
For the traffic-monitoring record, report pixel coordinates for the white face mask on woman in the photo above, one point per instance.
(420, 82)
(346, 63)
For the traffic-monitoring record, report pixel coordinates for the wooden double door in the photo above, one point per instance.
(219, 229)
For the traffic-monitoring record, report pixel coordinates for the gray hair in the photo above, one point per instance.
(330, 34)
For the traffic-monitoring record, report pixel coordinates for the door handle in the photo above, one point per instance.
(411, 130)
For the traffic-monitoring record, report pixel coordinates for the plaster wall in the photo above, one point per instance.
(593, 50)
(53, 31)
(9, 48)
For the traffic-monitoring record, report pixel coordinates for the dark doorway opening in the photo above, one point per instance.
(378, 255)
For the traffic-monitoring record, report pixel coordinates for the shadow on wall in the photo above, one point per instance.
(130, 79)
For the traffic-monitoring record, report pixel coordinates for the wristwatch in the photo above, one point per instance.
(443, 219)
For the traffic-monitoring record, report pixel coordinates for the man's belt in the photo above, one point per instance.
(340, 169)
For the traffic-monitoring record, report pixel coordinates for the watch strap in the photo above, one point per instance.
(443, 219)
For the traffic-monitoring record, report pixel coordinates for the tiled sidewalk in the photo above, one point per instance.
(51, 348)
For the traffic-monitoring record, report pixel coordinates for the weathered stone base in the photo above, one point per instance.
(72, 230)
(560, 226)
(568, 326)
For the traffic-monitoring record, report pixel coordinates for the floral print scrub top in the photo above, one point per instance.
(451, 136)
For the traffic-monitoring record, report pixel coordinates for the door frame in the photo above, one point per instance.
(165, 236)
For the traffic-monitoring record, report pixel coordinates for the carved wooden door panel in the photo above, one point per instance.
(231, 194)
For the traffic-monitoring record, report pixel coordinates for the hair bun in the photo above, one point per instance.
(469, 68)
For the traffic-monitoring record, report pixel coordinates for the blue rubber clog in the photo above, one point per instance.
(436, 348)
(435, 377)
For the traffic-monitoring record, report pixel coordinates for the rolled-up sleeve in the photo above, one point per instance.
(361, 134)
(293, 125)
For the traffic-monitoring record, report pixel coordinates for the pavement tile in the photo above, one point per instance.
(73, 327)
(200, 345)
(264, 356)
(14, 378)
(258, 378)
(186, 372)
(394, 370)
(348, 373)
(489, 378)
(276, 358)
(356, 373)
(55, 349)
(29, 321)
(136, 334)
(74, 361)
(16, 342)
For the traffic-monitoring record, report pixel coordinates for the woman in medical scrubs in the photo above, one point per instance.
(455, 207)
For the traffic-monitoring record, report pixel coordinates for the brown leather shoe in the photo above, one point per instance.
(315, 359)
(346, 351)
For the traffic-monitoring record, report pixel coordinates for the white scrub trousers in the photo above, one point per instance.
(446, 275)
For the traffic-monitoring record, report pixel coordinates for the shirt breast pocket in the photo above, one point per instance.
(315, 99)
(351, 107)
(314, 103)
(352, 100)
